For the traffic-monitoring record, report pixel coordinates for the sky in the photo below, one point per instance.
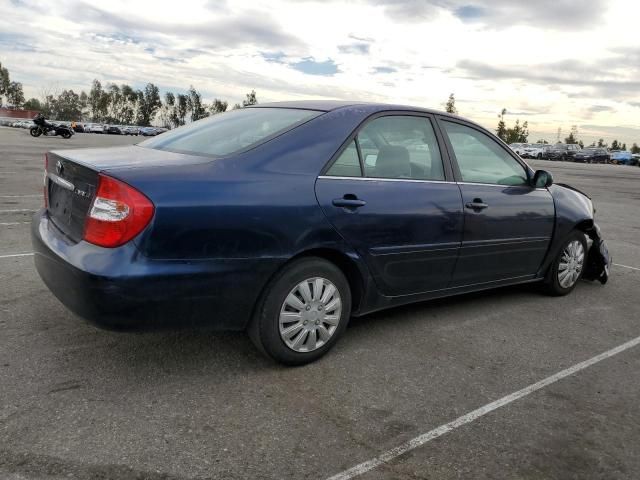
(553, 63)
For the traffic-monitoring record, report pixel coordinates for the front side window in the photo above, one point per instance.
(400, 147)
(481, 159)
(230, 132)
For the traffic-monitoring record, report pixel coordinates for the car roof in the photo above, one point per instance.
(330, 105)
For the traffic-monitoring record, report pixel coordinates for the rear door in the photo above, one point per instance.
(508, 224)
(391, 196)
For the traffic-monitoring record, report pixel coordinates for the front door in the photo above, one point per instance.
(388, 196)
(508, 224)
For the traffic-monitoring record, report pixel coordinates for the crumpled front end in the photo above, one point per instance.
(598, 264)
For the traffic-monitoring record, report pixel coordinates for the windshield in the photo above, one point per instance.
(230, 132)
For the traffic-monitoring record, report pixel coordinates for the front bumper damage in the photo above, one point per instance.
(598, 263)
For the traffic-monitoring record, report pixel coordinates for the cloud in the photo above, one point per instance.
(274, 57)
(360, 48)
(384, 70)
(601, 108)
(496, 14)
(232, 30)
(312, 67)
(568, 73)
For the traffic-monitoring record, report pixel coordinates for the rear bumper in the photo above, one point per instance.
(120, 289)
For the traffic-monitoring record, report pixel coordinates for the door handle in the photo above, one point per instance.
(477, 204)
(348, 201)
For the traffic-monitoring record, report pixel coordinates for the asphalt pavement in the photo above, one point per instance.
(82, 403)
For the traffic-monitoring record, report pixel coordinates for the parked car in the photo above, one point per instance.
(519, 148)
(535, 150)
(130, 131)
(562, 151)
(286, 219)
(622, 157)
(78, 127)
(114, 130)
(148, 131)
(96, 128)
(592, 155)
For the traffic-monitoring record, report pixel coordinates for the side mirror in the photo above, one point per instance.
(542, 179)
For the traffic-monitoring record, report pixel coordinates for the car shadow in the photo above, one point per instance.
(230, 354)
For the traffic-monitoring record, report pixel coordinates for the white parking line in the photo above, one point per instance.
(21, 196)
(5, 224)
(626, 266)
(475, 414)
(18, 210)
(13, 255)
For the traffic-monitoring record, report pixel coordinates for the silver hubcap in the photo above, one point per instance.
(310, 314)
(571, 264)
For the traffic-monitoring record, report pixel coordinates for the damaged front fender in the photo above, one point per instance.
(598, 262)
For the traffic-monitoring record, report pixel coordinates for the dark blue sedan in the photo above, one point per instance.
(286, 219)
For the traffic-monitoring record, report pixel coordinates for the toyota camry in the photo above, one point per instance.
(287, 219)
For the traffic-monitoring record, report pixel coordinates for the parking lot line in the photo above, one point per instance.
(13, 255)
(475, 414)
(13, 223)
(626, 266)
(21, 196)
(18, 210)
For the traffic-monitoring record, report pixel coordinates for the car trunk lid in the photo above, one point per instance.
(72, 179)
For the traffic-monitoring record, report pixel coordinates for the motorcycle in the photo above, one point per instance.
(42, 127)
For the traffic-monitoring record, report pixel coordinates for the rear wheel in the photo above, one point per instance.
(302, 312)
(567, 267)
(66, 135)
(35, 131)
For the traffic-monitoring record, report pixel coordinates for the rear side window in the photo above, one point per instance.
(230, 132)
(347, 164)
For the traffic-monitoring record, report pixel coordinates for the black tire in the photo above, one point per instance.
(35, 131)
(552, 284)
(264, 328)
(66, 135)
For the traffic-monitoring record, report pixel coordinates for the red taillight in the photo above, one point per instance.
(118, 213)
(45, 190)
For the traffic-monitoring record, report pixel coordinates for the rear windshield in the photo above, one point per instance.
(230, 132)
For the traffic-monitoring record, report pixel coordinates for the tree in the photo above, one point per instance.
(451, 105)
(543, 141)
(98, 102)
(615, 145)
(218, 106)
(148, 104)
(167, 109)
(122, 104)
(67, 106)
(14, 94)
(581, 143)
(517, 134)
(501, 131)
(196, 107)
(181, 109)
(32, 104)
(624, 146)
(601, 143)
(573, 135)
(635, 148)
(4, 81)
(236, 106)
(251, 99)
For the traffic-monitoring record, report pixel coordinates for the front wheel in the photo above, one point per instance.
(302, 312)
(66, 135)
(35, 131)
(567, 267)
